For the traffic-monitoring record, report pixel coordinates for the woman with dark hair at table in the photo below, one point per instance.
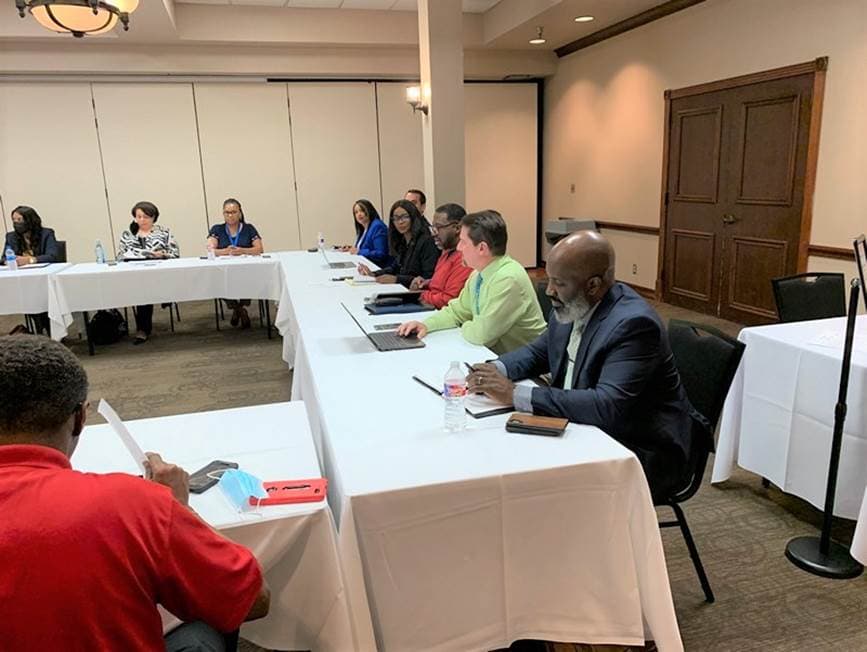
(412, 246)
(371, 234)
(32, 243)
(145, 239)
(235, 237)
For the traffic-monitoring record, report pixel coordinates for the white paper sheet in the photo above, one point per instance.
(118, 426)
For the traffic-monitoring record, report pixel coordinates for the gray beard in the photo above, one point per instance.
(572, 311)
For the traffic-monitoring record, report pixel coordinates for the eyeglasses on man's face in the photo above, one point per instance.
(445, 225)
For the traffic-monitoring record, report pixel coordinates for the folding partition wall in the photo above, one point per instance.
(297, 155)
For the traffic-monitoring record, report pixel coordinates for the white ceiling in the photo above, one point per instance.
(470, 6)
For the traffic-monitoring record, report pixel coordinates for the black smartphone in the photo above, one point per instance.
(200, 480)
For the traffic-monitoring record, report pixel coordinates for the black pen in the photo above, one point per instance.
(470, 367)
(424, 384)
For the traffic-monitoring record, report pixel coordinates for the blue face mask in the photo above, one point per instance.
(239, 487)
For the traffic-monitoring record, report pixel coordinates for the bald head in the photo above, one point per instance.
(585, 253)
(580, 271)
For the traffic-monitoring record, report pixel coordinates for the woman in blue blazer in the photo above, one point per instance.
(371, 234)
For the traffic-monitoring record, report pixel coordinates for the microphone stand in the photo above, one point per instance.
(819, 555)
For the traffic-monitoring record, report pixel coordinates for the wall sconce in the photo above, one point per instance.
(414, 99)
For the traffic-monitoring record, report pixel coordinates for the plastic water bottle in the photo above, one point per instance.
(211, 253)
(454, 394)
(320, 242)
(11, 261)
(100, 252)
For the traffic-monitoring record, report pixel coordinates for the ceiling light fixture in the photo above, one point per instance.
(584, 19)
(79, 17)
(539, 40)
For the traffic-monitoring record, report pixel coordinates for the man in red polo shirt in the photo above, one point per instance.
(86, 558)
(450, 273)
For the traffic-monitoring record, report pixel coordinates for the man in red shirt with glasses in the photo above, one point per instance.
(450, 273)
(87, 557)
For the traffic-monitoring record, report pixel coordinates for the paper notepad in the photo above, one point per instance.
(477, 406)
(360, 279)
(118, 426)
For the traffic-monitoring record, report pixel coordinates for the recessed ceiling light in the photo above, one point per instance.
(538, 40)
(583, 19)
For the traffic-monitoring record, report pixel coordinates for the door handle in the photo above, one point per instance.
(728, 218)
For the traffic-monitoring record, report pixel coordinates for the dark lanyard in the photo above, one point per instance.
(234, 241)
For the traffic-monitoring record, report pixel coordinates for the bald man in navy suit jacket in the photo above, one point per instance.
(610, 361)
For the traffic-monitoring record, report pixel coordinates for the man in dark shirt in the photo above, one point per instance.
(87, 557)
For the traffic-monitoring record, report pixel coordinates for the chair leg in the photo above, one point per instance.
(90, 348)
(268, 317)
(222, 314)
(172, 317)
(177, 312)
(217, 309)
(693, 552)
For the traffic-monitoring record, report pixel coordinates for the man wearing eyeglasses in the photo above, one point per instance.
(450, 273)
(497, 307)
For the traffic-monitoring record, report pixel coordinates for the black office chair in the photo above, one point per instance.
(544, 299)
(61, 251)
(815, 295)
(707, 361)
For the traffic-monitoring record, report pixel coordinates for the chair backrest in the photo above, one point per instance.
(707, 361)
(544, 300)
(61, 251)
(815, 295)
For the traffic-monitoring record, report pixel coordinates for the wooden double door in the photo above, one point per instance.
(740, 169)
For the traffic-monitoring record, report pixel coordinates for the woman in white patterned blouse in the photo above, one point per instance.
(146, 240)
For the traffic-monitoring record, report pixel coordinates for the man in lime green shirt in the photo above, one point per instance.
(497, 307)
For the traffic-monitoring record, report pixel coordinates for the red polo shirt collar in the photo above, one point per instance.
(34, 456)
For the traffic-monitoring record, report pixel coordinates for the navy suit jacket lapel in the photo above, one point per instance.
(611, 297)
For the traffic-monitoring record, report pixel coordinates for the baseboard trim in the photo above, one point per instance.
(647, 293)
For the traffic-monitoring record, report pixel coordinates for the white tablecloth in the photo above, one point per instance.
(92, 286)
(778, 418)
(469, 541)
(859, 542)
(25, 291)
(294, 543)
(306, 271)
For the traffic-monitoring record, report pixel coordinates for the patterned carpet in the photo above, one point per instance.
(763, 602)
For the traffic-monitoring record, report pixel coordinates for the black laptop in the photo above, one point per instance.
(344, 265)
(388, 340)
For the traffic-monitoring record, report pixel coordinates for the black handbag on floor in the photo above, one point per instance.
(108, 327)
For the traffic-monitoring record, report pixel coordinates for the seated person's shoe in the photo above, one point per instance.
(245, 318)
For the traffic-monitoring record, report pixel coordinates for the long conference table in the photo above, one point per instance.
(463, 541)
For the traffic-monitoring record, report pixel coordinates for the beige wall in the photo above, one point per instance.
(604, 110)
